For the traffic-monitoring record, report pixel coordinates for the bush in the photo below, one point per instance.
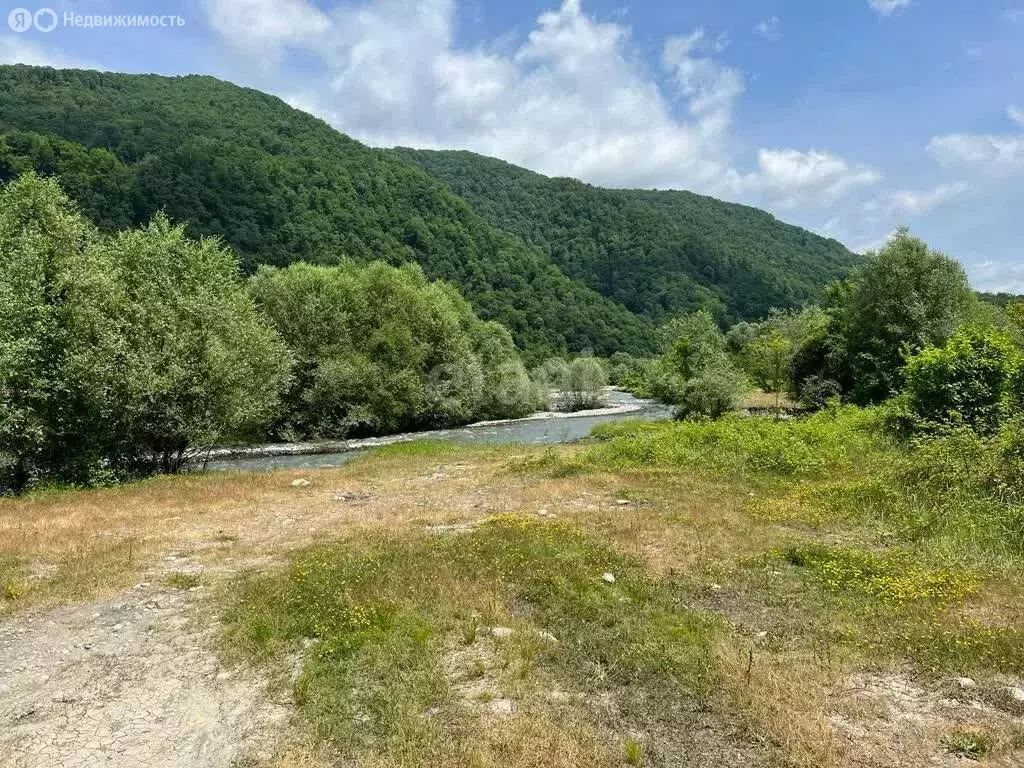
(712, 393)
(968, 382)
(816, 392)
(695, 374)
(380, 349)
(120, 356)
(584, 385)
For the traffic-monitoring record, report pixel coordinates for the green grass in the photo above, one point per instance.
(797, 555)
(734, 447)
(381, 623)
(972, 745)
(183, 580)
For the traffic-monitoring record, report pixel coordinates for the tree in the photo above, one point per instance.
(380, 350)
(119, 356)
(767, 361)
(194, 363)
(55, 301)
(695, 374)
(905, 298)
(584, 387)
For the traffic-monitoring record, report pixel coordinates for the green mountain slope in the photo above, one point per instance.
(656, 252)
(280, 186)
(564, 265)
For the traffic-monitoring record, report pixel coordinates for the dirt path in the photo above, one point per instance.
(132, 681)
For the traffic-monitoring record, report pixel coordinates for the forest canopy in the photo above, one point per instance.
(566, 267)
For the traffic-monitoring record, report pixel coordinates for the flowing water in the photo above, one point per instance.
(540, 430)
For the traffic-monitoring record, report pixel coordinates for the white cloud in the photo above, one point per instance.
(807, 179)
(913, 203)
(983, 154)
(19, 50)
(769, 28)
(888, 7)
(265, 27)
(711, 88)
(997, 276)
(1016, 114)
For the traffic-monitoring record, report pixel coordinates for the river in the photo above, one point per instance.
(540, 429)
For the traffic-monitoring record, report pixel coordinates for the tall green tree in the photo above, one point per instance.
(194, 363)
(55, 304)
(380, 349)
(120, 356)
(905, 298)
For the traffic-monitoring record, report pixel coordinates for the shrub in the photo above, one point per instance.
(712, 393)
(816, 392)
(695, 374)
(584, 386)
(970, 381)
(120, 356)
(380, 349)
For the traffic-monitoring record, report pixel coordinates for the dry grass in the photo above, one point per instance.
(797, 690)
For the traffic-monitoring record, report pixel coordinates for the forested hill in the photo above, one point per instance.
(657, 252)
(556, 261)
(281, 186)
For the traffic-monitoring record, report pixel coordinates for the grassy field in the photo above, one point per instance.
(740, 593)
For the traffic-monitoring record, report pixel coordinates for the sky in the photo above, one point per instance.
(848, 117)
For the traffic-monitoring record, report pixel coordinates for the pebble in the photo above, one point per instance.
(301, 482)
(622, 502)
(542, 513)
(501, 632)
(609, 577)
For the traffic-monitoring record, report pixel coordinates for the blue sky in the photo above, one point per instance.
(849, 117)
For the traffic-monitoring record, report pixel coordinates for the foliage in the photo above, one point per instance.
(967, 382)
(767, 361)
(893, 579)
(660, 253)
(380, 349)
(695, 374)
(972, 745)
(120, 355)
(905, 298)
(576, 385)
(584, 386)
(281, 186)
(822, 444)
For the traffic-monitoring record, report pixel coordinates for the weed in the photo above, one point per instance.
(892, 580)
(183, 580)
(634, 751)
(972, 745)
